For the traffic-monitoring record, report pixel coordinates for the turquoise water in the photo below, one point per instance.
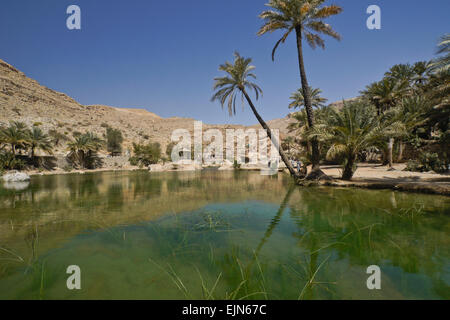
(218, 235)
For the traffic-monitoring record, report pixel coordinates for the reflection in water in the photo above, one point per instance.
(17, 186)
(218, 235)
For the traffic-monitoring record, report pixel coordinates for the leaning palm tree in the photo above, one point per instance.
(237, 82)
(298, 99)
(349, 131)
(38, 140)
(305, 17)
(442, 63)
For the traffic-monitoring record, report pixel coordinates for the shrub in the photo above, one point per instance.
(9, 162)
(114, 141)
(145, 155)
(427, 162)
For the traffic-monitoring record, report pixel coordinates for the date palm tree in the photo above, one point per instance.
(83, 148)
(386, 94)
(305, 17)
(298, 99)
(351, 130)
(401, 72)
(235, 83)
(442, 63)
(38, 140)
(420, 73)
(15, 136)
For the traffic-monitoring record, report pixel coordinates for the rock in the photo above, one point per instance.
(16, 177)
(318, 175)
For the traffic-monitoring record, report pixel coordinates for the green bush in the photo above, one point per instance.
(114, 140)
(9, 162)
(145, 155)
(427, 162)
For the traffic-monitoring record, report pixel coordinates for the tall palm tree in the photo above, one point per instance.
(37, 139)
(350, 131)
(305, 17)
(236, 82)
(15, 135)
(298, 99)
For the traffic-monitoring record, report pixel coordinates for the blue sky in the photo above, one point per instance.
(163, 55)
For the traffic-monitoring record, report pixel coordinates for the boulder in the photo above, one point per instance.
(16, 177)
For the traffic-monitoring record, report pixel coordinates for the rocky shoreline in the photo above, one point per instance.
(427, 183)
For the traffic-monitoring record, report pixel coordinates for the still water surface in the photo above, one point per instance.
(218, 235)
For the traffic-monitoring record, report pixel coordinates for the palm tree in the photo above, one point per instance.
(298, 100)
(420, 73)
(442, 63)
(401, 72)
(287, 144)
(15, 135)
(236, 82)
(83, 149)
(2, 138)
(350, 131)
(37, 139)
(385, 95)
(305, 17)
(410, 114)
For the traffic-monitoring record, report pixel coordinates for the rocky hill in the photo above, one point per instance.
(24, 99)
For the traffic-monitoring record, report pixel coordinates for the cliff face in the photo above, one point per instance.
(24, 99)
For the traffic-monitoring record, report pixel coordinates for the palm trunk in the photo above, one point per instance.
(400, 151)
(347, 174)
(13, 149)
(269, 134)
(390, 152)
(315, 158)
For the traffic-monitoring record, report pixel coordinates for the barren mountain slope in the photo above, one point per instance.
(24, 99)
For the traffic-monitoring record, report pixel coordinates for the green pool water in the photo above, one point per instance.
(218, 235)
